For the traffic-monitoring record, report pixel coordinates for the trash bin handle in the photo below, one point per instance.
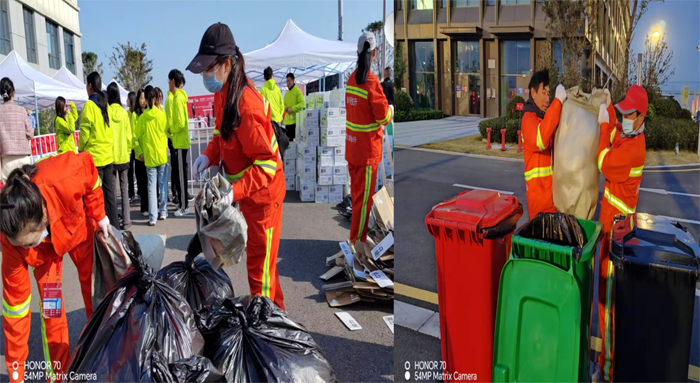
(535, 243)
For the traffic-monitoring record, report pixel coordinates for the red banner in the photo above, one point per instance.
(518, 106)
(200, 106)
(47, 144)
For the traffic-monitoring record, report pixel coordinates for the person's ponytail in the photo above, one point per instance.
(7, 89)
(364, 64)
(104, 105)
(237, 82)
(20, 192)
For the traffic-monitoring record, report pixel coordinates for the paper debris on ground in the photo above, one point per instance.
(389, 320)
(349, 321)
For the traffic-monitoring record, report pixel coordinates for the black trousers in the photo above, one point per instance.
(179, 167)
(131, 175)
(291, 131)
(109, 188)
(142, 184)
(121, 175)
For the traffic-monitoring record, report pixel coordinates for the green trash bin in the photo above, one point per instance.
(542, 331)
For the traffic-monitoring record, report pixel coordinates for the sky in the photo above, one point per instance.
(172, 30)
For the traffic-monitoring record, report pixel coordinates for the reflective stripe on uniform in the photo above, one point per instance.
(365, 198)
(545, 171)
(356, 91)
(540, 144)
(386, 119)
(98, 183)
(270, 167)
(361, 128)
(617, 203)
(267, 107)
(608, 324)
(237, 176)
(19, 311)
(273, 144)
(636, 172)
(266, 265)
(612, 135)
(216, 132)
(600, 159)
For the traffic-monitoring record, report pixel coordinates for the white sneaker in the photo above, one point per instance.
(144, 213)
(151, 223)
(182, 212)
(162, 217)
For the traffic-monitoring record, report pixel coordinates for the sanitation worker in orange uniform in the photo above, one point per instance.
(56, 204)
(621, 156)
(540, 121)
(367, 110)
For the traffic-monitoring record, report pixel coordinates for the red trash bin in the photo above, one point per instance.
(472, 234)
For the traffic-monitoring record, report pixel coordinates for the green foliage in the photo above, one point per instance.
(686, 115)
(46, 121)
(511, 125)
(131, 65)
(399, 66)
(90, 65)
(510, 108)
(404, 102)
(651, 114)
(668, 107)
(662, 134)
(419, 115)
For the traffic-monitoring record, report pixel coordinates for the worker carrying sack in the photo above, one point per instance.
(575, 164)
(222, 229)
(250, 339)
(196, 280)
(139, 316)
(110, 263)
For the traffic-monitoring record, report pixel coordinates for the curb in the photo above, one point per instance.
(670, 166)
(483, 156)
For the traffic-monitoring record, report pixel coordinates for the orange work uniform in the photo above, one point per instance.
(367, 111)
(621, 160)
(537, 134)
(65, 181)
(252, 163)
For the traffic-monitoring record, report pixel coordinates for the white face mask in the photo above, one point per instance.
(44, 234)
(628, 126)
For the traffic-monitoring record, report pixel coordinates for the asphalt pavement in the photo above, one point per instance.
(418, 133)
(310, 233)
(426, 178)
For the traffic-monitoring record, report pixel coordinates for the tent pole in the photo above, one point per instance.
(36, 120)
(383, 42)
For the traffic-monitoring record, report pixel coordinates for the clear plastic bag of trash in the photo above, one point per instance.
(250, 339)
(138, 316)
(195, 369)
(558, 228)
(222, 229)
(194, 278)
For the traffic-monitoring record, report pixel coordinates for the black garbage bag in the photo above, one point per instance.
(196, 280)
(197, 369)
(140, 315)
(250, 339)
(345, 207)
(559, 228)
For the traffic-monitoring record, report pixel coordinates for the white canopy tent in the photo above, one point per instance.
(307, 56)
(34, 89)
(65, 76)
(123, 93)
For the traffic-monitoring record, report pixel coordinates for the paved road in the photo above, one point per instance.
(424, 132)
(425, 179)
(310, 233)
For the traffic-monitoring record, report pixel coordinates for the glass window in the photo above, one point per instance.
(558, 57)
(468, 59)
(68, 48)
(5, 45)
(422, 74)
(516, 57)
(490, 2)
(422, 4)
(52, 42)
(400, 5)
(468, 78)
(30, 35)
(465, 3)
(514, 2)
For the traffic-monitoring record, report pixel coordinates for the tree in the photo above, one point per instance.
(132, 67)
(637, 9)
(399, 66)
(377, 28)
(685, 94)
(656, 64)
(90, 65)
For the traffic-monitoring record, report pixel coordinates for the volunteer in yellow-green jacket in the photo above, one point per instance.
(178, 129)
(64, 125)
(121, 128)
(140, 171)
(293, 103)
(96, 138)
(273, 95)
(150, 132)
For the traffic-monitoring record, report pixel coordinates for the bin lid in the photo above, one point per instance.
(647, 239)
(482, 208)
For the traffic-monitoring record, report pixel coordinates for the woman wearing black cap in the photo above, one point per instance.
(244, 143)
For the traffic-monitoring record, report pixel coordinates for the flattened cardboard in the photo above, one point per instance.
(332, 273)
(385, 209)
(389, 320)
(349, 321)
(330, 261)
(337, 286)
(339, 298)
(383, 246)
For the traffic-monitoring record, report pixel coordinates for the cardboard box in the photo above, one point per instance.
(325, 180)
(311, 140)
(325, 170)
(321, 194)
(332, 141)
(343, 130)
(331, 131)
(307, 172)
(323, 100)
(384, 205)
(306, 151)
(326, 160)
(290, 182)
(290, 165)
(335, 193)
(339, 151)
(338, 98)
(307, 196)
(291, 151)
(335, 199)
(340, 179)
(324, 151)
(340, 170)
(297, 183)
(311, 101)
(340, 161)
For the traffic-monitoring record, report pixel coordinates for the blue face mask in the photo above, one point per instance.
(211, 83)
(43, 235)
(628, 126)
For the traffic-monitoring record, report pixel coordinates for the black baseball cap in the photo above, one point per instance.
(217, 41)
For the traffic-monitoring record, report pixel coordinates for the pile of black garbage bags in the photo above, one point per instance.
(183, 324)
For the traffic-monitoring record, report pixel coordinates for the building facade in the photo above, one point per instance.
(470, 57)
(45, 33)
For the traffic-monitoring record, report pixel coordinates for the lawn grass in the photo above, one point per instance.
(477, 145)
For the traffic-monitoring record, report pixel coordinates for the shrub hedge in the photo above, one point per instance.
(510, 107)
(511, 125)
(419, 115)
(403, 102)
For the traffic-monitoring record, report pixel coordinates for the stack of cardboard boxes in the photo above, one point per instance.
(308, 135)
(290, 166)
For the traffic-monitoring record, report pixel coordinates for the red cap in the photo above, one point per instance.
(635, 100)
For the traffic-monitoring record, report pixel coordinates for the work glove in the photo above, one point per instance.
(608, 100)
(560, 93)
(201, 164)
(228, 198)
(603, 114)
(105, 227)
